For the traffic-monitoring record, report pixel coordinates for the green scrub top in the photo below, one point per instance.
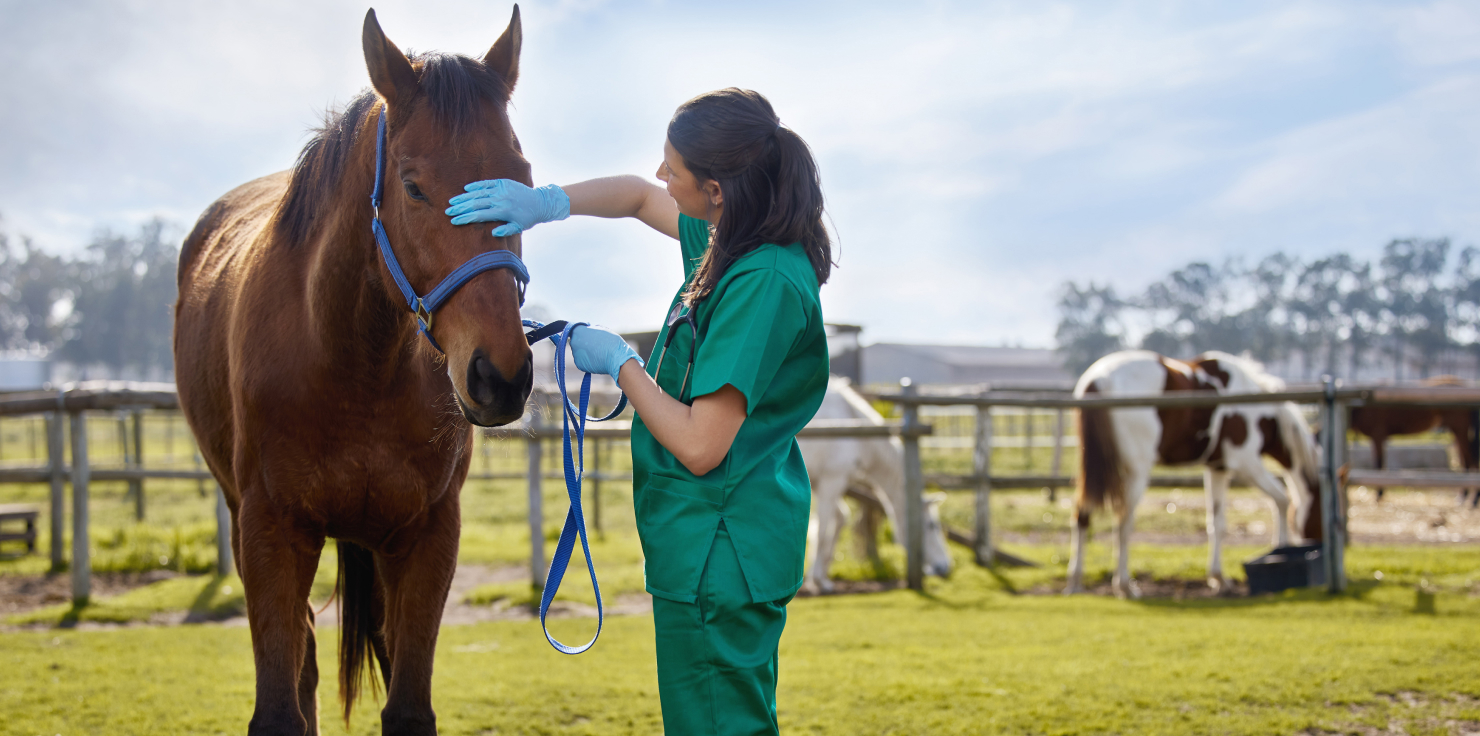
(760, 331)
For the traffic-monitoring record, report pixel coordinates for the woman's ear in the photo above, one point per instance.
(715, 194)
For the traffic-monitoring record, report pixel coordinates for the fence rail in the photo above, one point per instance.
(76, 401)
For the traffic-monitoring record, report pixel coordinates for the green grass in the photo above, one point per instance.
(966, 657)
(971, 655)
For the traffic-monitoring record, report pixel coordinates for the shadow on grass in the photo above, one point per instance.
(201, 609)
(72, 615)
(1358, 590)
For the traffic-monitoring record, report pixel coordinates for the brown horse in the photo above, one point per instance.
(316, 404)
(1381, 422)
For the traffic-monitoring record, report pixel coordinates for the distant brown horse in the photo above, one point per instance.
(316, 404)
(1381, 422)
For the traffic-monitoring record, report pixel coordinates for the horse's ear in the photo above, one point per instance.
(503, 58)
(390, 71)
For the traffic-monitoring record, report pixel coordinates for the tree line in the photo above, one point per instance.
(1419, 301)
(108, 305)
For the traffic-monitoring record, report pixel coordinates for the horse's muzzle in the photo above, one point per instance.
(494, 400)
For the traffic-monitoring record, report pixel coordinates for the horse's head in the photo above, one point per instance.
(1289, 440)
(937, 555)
(447, 125)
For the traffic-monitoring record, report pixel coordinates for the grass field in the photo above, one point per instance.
(981, 652)
(967, 657)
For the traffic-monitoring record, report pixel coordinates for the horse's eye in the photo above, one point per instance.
(414, 191)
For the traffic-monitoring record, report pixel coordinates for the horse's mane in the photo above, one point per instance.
(455, 86)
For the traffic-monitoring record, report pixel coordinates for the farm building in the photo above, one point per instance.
(886, 363)
(23, 371)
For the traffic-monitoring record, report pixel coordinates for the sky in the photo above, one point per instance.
(974, 155)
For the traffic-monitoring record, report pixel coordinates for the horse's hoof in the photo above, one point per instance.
(1128, 591)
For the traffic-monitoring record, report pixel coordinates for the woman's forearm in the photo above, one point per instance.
(699, 436)
(625, 196)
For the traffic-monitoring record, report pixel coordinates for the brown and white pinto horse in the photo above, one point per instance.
(317, 405)
(1381, 422)
(1119, 447)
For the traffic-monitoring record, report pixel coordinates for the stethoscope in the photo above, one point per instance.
(676, 316)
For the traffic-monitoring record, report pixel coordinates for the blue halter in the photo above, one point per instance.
(425, 306)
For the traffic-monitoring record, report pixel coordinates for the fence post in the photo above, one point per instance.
(136, 486)
(1058, 453)
(982, 469)
(224, 561)
(914, 489)
(1338, 495)
(537, 569)
(596, 482)
(1028, 440)
(81, 562)
(200, 483)
(56, 458)
(1333, 430)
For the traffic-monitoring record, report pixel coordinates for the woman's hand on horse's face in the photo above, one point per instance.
(504, 200)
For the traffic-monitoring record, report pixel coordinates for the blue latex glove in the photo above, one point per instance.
(505, 200)
(599, 350)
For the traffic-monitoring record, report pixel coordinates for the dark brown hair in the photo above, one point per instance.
(772, 192)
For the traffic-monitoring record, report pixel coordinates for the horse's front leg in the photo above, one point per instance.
(1272, 487)
(1379, 459)
(829, 492)
(277, 558)
(1215, 485)
(416, 570)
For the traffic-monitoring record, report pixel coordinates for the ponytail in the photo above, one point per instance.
(772, 191)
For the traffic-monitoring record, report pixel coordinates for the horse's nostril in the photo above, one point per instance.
(489, 389)
(482, 376)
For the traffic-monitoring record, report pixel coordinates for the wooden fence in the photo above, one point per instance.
(1334, 402)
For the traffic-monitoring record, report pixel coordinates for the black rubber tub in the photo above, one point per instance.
(1282, 568)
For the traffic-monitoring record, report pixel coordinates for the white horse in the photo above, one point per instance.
(871, 467)
(1119, 446)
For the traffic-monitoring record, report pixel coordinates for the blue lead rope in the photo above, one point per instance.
(575, 463)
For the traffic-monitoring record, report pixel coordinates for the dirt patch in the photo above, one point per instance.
(1402, 723)
(468, 577)
(24, 593)
(1430, 517)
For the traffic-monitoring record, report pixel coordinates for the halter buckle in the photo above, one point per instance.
(423, 315)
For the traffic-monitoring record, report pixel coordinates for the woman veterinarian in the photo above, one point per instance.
(721, 494)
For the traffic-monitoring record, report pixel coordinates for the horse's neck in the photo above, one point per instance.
(352, 318)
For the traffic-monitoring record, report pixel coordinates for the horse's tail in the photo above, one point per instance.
(359, 619)
(1100, 478)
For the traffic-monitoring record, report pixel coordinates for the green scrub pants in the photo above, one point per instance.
(717, 656)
